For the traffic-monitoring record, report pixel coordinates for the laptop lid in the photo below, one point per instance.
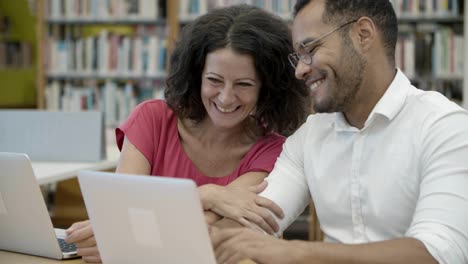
(25, 224)
(146, 219)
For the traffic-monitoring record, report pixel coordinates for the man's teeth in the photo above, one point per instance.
(315, 84)
(226, 110)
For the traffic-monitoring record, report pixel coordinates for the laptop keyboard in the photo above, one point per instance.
(66, 248)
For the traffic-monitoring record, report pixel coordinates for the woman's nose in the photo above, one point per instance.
(227, 95)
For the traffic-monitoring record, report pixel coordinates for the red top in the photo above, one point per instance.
(152, 128)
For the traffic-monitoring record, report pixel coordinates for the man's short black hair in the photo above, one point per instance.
(381, 12)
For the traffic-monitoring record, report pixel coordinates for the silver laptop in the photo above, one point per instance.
(146, 219)
(25, 224)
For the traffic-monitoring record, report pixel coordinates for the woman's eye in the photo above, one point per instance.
(245, 84)
(214, 80)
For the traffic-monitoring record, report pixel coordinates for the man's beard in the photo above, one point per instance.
(347, 82)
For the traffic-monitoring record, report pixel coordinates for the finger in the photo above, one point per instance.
(76, 226)
(235, 245)
(90, 242)
(263, 218)
(269, 204)
(87, 251)
(259, 221)
(268, 217)
(80, 235)
(246, 223)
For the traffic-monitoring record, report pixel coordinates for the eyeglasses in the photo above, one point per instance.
(306, 56)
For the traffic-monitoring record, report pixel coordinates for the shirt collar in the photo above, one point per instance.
(388, 106)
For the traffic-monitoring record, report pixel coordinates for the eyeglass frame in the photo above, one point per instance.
(306, 57)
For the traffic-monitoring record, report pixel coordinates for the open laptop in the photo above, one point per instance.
(25, 224)
(145, 219)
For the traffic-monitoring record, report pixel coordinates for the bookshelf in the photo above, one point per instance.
(188, 10)
(84, 48)
(424, 31)
(431, 45)
(101, 55)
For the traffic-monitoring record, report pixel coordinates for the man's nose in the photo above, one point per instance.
(301, 70)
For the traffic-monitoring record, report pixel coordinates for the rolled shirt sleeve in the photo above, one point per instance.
(287, 183)
(440, 220)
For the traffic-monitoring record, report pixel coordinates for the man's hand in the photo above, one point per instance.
(81, 234)
(242, 204)
(236, 245)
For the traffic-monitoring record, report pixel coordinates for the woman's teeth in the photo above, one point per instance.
(226, 110)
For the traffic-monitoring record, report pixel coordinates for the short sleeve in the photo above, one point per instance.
(140, 127)
(263, 155)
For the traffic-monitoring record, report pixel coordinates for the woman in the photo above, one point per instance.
(229, 94)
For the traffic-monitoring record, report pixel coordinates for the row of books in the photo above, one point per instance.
(104, 9)
(452, 89)
(190, 9)
(108, 54)
(427, 8)
(15, 55)
(115, 99)
(448, 56)
(437, 54)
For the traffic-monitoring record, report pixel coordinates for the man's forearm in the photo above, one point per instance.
(405, 250)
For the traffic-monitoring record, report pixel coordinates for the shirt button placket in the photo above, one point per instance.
(356, 217)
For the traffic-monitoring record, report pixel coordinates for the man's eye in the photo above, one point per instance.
(313, 50)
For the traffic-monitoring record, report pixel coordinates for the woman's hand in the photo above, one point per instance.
(81, 234)
(242, 204)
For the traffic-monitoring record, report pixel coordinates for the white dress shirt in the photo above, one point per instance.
(405, 174)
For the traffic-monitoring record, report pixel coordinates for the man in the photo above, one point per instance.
(386, 164)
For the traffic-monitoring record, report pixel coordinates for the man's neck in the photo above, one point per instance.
(373, 88)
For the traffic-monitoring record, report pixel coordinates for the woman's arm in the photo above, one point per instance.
(132, 161)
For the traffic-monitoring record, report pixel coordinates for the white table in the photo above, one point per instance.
(52, 172)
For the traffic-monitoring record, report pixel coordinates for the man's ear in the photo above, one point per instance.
(365, 33)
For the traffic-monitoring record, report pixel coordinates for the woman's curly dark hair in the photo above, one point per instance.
(282, 103)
